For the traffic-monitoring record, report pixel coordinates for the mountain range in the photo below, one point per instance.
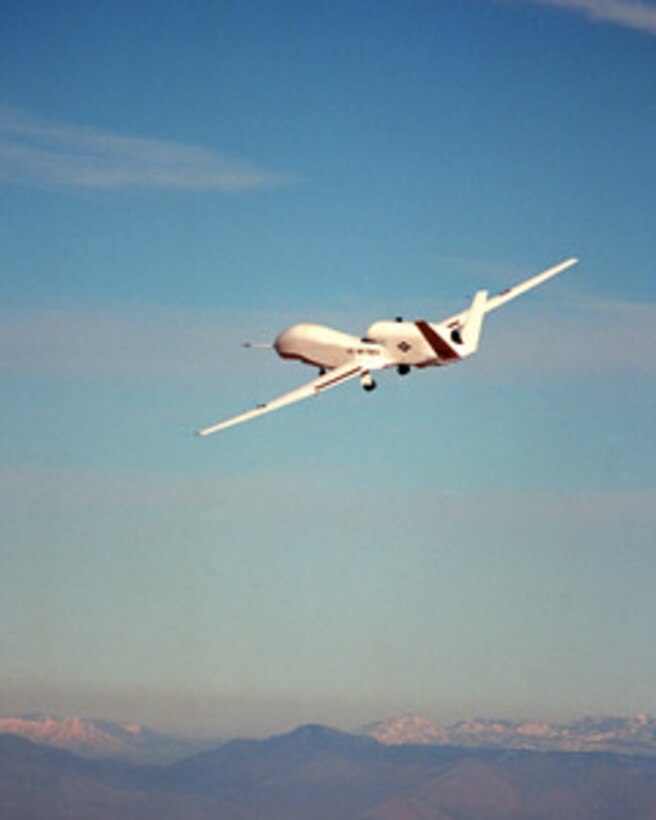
(101, 738)
(136, 743)
(633, 735)
(317, 773)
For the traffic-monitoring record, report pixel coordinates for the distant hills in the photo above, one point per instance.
(317, 773)
(122, 741)
(634, 735)
(100, 738)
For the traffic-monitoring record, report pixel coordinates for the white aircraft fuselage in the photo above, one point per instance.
(415, 344)
(321, 346)
(341, 357)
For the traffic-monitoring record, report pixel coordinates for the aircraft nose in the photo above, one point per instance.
(287, 341)
(282, 340)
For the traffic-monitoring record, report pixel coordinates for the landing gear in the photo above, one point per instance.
(367, 382)
(403, 369)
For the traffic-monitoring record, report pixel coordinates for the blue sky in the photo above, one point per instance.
(176, 178)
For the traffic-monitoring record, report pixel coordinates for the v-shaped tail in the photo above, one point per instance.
(470, 331)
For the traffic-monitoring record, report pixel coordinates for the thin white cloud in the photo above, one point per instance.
(528, 513)
(627, 13)
(42, 153)
(128, 342)
(586, 339)
(583, 339)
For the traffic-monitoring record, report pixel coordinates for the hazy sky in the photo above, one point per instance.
(178, 177)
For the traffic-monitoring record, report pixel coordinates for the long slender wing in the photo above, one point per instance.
(511, 293)
(338, 375)
(522, 287)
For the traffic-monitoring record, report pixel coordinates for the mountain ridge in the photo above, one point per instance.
(622, 735)
(96, 738)
(325, 774)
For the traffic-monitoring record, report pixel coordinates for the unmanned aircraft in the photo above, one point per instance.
(341, 357)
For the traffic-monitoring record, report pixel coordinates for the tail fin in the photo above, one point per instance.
(470, 331)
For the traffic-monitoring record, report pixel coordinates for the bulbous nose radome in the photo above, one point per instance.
(286, 342)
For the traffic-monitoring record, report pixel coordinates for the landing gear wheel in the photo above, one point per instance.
(403, 369)
(369, 386)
